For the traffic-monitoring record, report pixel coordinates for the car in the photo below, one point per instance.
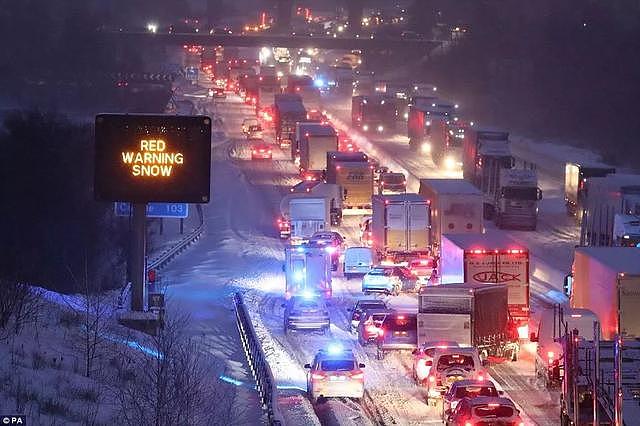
(423, 358)
(219, 93)
(451, 365)
(391, 279)
(422, 268)
(334, 243)
(335, 373)
(249, 122)
(398, 331)
(391, 182)
(254, 132)
(261, 150)
(306, 312)
(467, 389)
(312, 175)
(357, 261)
(485, 410)
(369, 327)
(357, 312)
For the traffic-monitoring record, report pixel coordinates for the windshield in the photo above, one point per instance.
(492, 410)
(372, 305)
(514, 193)
(307, 304)
(394, 179)
(475, 391)
(455, 360)
(381, 271)
(337, 365)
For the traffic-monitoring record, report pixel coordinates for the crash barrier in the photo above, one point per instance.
(168, 255)
(265, 384)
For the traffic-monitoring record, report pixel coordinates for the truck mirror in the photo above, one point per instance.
(500, 392)
(566, 286)
(307, 366)
(284, 305)
(539, 194)
(361, 365)
(533, 337)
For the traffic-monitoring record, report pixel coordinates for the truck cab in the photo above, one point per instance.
(517, 205)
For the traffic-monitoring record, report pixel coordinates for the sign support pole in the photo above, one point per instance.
(137, 258)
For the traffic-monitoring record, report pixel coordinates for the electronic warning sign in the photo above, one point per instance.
(153, 158)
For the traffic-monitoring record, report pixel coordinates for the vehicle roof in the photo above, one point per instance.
(494, 147)
(465, 350)
(464, 289)
(623, 259)
(369, 249)
(440, 343)
(383, 174)
(324, 354)
(463, 383)
(317, 129)
(376, 311)
(409, 196)
(250, 119)
(348, 156)
(590, 165)
(488, 241)
(484, 400)
(451, 186)
(371, 301)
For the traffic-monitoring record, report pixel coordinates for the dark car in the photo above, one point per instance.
(485, 410)
(391, 182)
(360, 307)
(467, 389)
(261, 151)
(306, 313)
(399, 331)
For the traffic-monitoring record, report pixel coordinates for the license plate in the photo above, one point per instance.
(336, 378)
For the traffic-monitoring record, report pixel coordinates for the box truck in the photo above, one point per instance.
(400, 226)
(353, 172)
(489, 259)
(307, 267)
(576, 176)
(315, 140)
(456, 208)
(288, 110)
(469, 314)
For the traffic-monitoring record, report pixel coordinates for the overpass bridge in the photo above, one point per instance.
(276, 40)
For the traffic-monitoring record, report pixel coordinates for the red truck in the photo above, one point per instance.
(489, 259)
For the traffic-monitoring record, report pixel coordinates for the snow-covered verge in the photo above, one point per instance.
(68, 362)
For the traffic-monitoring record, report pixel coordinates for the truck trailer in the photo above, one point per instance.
(470, 314)
(315, 141)
(353, 172)
(288, 111)
(489, 259)
(400, 226)
(576, 176)
(606, 280)
(605, 198)
(456, 208)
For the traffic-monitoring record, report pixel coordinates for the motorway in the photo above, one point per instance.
(241, 252)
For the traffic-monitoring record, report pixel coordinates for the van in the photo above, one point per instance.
(357, 261)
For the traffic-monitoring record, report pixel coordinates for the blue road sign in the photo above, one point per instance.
(175, 210)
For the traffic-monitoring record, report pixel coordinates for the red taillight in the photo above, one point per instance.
(317, 376)
(480, 377)
(358, 375)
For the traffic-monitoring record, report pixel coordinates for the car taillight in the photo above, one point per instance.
(432, 379)
(480, 377)
(318, 376)
(358, 375)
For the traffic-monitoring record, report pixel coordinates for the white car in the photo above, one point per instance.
(335, 373)
(357, 261)
(451, 365)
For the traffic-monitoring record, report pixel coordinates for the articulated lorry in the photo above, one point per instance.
(456, 208)
(510, 195)
(307, 267)
(354, 174)
(428, 128)
(606, 197)
(288, 111)
(470, 314)
(373, 113)
(315, 140)
(400, 226)
(489, 259)
(575, 180)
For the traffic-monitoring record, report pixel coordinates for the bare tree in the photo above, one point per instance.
(169, 380)
(19, 304)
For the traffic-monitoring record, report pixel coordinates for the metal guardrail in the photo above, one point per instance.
(265, 383)
(167, 256)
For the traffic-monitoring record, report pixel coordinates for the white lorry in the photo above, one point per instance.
(606, 280)
(605, 198)
(315, 140)
(307, 267)
(489, 259)
(400, 226)
(456, 208)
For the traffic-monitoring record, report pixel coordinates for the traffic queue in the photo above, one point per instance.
(407, 245)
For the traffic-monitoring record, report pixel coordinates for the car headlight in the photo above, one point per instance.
(449, 163)
(365, 127)
(426, 147)
(380, 128)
